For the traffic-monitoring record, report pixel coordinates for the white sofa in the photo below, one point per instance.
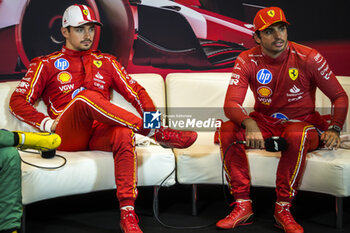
(194, 94)
(88, 171)
(184, 95)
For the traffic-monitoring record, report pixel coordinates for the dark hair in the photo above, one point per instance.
(257, 33)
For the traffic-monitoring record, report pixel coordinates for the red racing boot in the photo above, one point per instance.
(242, 214)
(173, 138)
(285, 220)
(129, 222)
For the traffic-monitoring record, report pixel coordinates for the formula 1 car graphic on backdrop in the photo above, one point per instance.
(145, 35)
(173, 35)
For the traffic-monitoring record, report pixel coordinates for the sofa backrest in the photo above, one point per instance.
(199, 96)
(189, 93)
(153, 83)
(155, 87)
(7, 120)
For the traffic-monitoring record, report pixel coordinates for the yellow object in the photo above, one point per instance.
(38, 141)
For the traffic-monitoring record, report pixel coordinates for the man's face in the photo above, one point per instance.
(273, 40)
(79, 38)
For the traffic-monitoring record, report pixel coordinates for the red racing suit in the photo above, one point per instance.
(76, 86)
(284, 91)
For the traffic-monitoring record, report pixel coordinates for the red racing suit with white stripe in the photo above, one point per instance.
(284, 90)
(76, 87)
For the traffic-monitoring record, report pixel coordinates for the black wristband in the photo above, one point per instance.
(335, 128)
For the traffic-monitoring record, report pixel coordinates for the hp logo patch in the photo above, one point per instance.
(61, 64)
(151, 120)
(279, 115)
(264, 76)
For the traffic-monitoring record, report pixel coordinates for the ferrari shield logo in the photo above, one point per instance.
(293, 73)
(86, 12)
(271, 13)
(97, 63)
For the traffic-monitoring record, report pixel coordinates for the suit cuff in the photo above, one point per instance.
(46, 124)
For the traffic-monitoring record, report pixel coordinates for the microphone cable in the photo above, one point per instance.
(192, 227)
(43, 167)
(155, 213)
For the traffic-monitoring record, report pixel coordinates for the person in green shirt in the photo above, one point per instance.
(10, 172)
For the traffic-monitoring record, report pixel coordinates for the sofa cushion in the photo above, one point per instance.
(89, 171)
(327, 171)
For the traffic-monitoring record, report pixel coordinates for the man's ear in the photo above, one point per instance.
(256, 38)
(65, 32)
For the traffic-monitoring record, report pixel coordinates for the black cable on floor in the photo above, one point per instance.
(155, 213)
